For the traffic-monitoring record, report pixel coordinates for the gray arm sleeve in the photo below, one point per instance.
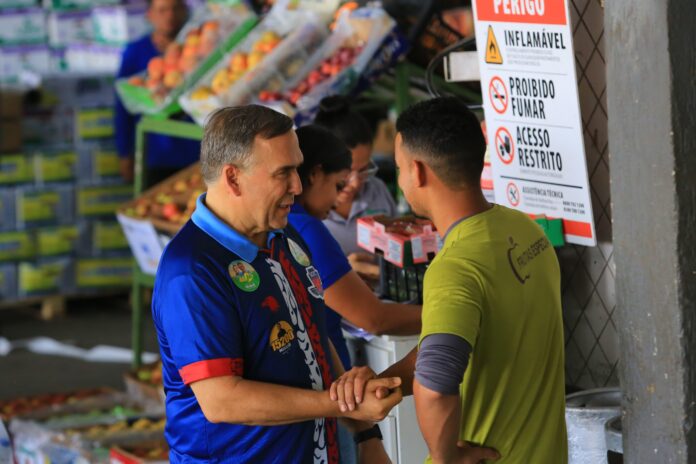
(441, 362)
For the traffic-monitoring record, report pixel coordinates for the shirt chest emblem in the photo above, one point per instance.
(282, 334)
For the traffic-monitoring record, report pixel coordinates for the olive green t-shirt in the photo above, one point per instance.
(496, 283)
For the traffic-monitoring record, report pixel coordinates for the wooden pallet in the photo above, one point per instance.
(53, 306)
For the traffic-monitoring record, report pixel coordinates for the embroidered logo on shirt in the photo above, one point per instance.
(298, 253)
(281, 336)
(244, 275)
(317, 288)
(520, 260)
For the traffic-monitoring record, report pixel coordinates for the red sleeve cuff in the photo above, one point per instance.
(202, 370)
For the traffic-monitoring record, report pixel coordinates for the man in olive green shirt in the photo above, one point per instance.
(489, 368)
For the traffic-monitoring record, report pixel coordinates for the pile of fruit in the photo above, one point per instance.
(150, 374)
(174, 203)
(328, 68)
(25, 405)
(101, 432)
(238, 64)
(164, 73)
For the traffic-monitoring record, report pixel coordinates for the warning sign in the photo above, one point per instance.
(532, 111)
(513, 194)
(493, 55)
(504, 146)
(498, 94)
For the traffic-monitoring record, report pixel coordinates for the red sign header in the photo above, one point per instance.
(522, 11)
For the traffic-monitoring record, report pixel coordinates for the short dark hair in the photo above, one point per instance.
(336, 115)
(320, 147)
(229, 136)
(447, 136)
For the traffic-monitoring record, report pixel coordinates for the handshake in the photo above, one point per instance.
(362, 396)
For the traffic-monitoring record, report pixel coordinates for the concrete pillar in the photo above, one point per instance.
(651, 90)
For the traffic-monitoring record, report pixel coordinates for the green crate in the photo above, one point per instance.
(138, 100)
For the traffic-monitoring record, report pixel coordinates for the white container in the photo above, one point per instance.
(586, 414)
(17, 59)
(93, 58)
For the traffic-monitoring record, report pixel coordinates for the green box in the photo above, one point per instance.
(108, 236)
(103, 200)
(43, 278)
(95, 123)
(15, 246)
(16, 169)
(55, 241)
(104, 273)
(56, 167)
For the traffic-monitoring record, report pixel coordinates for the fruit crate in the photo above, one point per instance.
(158, 89)
(268, 59)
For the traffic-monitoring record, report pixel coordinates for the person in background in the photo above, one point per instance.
(239, 313)
(489, 368)
(364, 194)
(165, 155)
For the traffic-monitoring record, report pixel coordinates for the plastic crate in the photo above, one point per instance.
(401, 284)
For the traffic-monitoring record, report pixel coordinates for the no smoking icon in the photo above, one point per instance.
(504, 146)
(498, 95)
(513, 194)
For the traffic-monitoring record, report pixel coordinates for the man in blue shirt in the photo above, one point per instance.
(165, 155)
(238, 308)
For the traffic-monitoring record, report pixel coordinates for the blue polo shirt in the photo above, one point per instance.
(331, 263)
(223, 306)
(162, 151)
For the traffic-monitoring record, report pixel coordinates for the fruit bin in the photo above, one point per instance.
(404, 241)
(270, 58)
(199, 46)
(336, 67)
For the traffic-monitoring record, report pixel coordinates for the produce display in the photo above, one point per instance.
(106, 432)
(25, 405)
(402, 241)
(151, 374)
(199, 45)
(94, 416)
(150, 451)
(270, 59)
(170, 203)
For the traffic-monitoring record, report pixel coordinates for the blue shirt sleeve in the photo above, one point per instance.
(202, 330)
(327, 255)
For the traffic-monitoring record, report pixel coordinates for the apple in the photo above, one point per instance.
(221, 82)
(238, 62)
(254, 59)
(155, 68)
(137, 81)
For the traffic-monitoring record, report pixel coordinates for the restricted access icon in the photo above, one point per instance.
(513, 194)
(493, 54)
(498, 94)
(504, 146)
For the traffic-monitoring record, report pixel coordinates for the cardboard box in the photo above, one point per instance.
(402, 249)
(94, 123)
(55, 167)
(102, 200)
(70, 27)
(45, 277)
(98, 162)
(106, 237)
(119, 25)
(16, 169)
(15, 59)
(45, 206)
(96, 273)
(22, 26)
(8, 282)
(57, 241)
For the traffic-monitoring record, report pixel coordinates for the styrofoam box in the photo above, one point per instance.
(22, 26)
(120, 24)
(98, 58)
(70, 27)
(18, 58)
